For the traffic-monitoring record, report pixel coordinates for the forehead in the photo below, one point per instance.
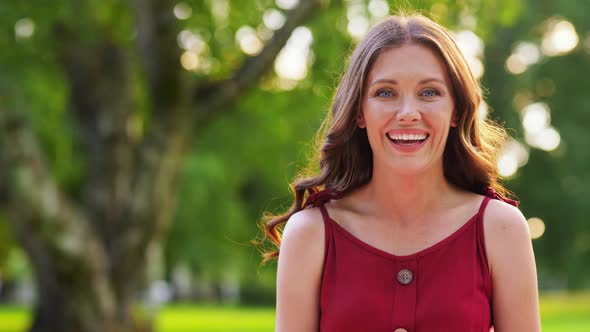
(408, 62)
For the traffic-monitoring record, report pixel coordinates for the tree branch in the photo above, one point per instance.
(159, 155)
(30, 190)
(172, 106)
(215, 98)
(165, 142)
(163, 149)
(157, 31)
(167, 136)
(101, 104)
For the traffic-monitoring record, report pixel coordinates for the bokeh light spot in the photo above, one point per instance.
(293, 61)
(378, 8)
(469, 43)
(220, 10)
(536, 227)
(189, 60)
(286, 4)
(248, 40)
(182, 11)
(524, 55)
(535, 117)
(513, 156)
(560, 38)
(472, 48)
(358, 27)
(547, 139)
(24, 28)
(273, 19)
(515, 65)
(507, 165)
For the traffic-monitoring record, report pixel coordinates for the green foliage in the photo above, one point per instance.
(33, 83)
(553, 185)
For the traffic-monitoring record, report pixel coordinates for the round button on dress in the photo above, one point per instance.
(405, 276)
(400, 330)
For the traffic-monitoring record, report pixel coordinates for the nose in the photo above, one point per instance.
(408, 111)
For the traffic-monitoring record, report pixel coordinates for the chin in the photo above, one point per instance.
(408, 169)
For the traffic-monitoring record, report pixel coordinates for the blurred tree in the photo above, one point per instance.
(132, 112)
(554, 185)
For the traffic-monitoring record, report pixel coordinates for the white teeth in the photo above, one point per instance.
(407, 137)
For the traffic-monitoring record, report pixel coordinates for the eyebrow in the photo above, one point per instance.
(426, 80)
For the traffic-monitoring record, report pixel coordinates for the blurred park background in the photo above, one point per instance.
(141, 140)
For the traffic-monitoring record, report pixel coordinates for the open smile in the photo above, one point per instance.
(407, 140)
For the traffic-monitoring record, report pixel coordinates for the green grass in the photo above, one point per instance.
(13, 319)
(211, 318)
(563, 312)
(559, 312)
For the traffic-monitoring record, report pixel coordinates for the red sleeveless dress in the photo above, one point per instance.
(446, 287)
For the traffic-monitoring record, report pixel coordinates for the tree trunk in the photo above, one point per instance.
(64, 307)
(76, 294)
(88, 252)
(72, 290)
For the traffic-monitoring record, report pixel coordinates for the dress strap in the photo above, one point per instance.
(482, 252)
(483, 205)
(491, 193)
(318, 199)
(325, 215)
(482, 247)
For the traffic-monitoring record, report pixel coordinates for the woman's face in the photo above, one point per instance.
(407, 109)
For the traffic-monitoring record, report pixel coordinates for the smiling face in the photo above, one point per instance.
(407, 109)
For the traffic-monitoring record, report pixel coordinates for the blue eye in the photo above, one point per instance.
(429, 93)
(384, 93)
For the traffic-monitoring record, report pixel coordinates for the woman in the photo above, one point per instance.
(409, 231)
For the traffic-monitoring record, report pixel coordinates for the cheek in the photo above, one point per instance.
(374, 122)
(370, 118)
(442, 113)
(377, 112)
(375, 125)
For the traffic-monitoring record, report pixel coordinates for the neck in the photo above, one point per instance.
(406, 198)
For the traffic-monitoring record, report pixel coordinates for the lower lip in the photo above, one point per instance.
(409, 148)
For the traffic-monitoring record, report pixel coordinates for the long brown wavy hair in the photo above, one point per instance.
(344, 154)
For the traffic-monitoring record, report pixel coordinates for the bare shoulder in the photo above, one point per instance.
(304, 227)
(504, 225)
(505, 230)
(302, 242)
(512, 265)
(501, 214)
(299, 272)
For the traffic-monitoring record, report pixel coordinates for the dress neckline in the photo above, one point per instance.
(419, 253)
